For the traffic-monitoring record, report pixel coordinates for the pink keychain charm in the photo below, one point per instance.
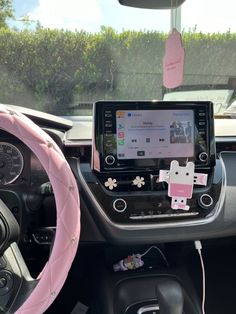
(132, 262)
(173, 62)
(180, 183)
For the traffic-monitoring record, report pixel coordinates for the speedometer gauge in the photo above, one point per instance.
(11, 163)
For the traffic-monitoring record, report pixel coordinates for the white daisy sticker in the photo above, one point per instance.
(111, 183)
(139, 181)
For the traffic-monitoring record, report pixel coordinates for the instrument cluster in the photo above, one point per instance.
(11, 163)
(18, 165)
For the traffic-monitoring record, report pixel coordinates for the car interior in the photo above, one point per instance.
(123, 203)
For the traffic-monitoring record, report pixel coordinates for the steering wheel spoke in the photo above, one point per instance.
(16, 283)
(9, 227)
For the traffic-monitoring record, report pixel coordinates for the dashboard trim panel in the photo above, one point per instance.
(197, 222)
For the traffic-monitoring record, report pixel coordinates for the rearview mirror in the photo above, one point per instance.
(152, 4)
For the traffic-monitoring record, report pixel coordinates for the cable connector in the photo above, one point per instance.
(198, 245)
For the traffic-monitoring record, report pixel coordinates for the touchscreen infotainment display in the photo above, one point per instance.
(144, 134)
(147, 135)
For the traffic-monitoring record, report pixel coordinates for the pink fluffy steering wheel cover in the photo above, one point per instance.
(66, 194)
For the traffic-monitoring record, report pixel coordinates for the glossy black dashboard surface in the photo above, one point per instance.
(215, 225)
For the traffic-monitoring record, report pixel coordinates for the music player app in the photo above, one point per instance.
(154, 134)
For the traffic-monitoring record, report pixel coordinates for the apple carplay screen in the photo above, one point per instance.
(151, 134)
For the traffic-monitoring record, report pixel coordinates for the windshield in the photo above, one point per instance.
(60, 56)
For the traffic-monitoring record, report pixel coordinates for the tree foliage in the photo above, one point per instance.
(50, 69)
(6, 12)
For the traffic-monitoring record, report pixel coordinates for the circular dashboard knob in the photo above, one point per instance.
(205, 201)
(119, 205)
(110, 160)
(203, 157)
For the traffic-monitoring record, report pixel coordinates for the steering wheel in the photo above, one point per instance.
(19, 292)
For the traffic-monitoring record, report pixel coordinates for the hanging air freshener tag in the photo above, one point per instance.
(173, 62)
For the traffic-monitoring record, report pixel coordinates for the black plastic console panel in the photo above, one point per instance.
(221, 223)
(127, 204)
(131, 294)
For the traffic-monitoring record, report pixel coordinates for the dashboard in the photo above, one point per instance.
(130, 212)
(127, 213)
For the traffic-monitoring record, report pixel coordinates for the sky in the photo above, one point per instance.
(207, 15)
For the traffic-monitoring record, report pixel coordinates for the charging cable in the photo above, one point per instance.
(159, 250)
(198, 247)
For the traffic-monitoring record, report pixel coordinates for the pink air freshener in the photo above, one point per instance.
(173, 62)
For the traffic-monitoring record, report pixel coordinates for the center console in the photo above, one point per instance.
(133, 141)
(134, 144)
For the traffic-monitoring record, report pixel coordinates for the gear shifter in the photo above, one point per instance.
(170, 296)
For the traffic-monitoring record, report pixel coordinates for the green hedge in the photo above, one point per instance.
(50, 69)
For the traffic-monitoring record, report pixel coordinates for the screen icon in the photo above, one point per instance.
(121, 127)
(140, 153)
(121, 142)
(120, 114)
(121, 134)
